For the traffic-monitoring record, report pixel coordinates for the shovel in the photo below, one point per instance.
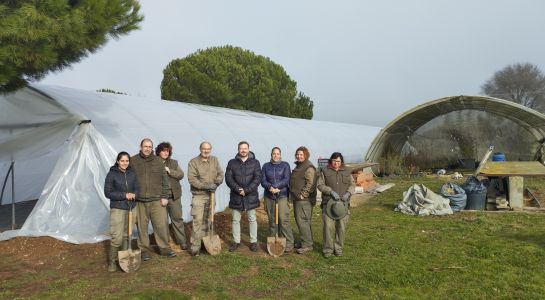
(129, 260)
(212, 241)
(276, 245)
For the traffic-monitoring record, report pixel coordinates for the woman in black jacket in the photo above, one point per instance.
(121, 187)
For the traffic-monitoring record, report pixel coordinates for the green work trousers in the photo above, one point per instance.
(119, 220)
(334, 232)
(174, 209)
(157, 214)
(303, 218)
(284, 227)
(200, 211)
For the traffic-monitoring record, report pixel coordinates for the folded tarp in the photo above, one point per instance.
(421, 201)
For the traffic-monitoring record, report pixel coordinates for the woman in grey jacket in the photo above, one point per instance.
(121, 187)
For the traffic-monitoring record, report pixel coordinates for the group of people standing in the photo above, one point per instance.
(149, 185)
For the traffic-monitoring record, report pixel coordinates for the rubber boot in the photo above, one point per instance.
(112, 258)
(124, 245)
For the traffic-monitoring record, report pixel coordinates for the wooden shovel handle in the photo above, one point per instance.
(212, 205)
(276, 213)
(130, 224)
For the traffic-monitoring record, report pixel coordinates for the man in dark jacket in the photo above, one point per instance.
(275, 180)
(152, 199)
(243, 176)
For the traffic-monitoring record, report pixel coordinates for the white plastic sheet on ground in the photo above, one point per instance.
(421, 201)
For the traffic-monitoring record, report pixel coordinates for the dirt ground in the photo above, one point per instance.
(44, 258)
(38, 251)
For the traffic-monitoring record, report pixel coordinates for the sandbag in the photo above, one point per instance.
(456, 195)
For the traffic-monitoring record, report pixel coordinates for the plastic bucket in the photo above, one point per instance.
(498, 156)
(476, 200)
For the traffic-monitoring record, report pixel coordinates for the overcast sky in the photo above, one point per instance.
(359, 61)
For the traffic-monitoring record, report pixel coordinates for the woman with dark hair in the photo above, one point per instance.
(303, 196)
(121, 187)
(337, 185)
(174, 206)
(275, 180)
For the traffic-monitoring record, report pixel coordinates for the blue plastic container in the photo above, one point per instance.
(498, 156)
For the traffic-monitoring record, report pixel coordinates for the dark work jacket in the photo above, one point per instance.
(276, 175)
(176, 174)
(246, 175)
(152, 178)
(117, 184)
(300, 185)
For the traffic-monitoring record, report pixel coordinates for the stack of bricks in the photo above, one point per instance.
(365, 181)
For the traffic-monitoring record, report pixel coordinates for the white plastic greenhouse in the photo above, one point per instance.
(61, 159)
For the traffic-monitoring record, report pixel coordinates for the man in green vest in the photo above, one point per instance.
(174, 207)
(303, 196)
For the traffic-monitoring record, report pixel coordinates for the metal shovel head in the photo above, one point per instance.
(276, 245)
(129, 260)
(212, 244)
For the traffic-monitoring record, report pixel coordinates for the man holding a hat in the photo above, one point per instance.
(337, 185)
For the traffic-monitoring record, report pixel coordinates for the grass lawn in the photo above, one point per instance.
(469, 255)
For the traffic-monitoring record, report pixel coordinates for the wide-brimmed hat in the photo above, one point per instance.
(336, 209)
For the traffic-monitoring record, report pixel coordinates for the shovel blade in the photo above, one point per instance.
(276, 246)
(129, 260)
(212, 243)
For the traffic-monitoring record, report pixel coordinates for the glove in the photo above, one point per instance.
(334, 195)
(346, 196)
(211, 187)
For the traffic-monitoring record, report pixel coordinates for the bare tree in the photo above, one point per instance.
(520, 83)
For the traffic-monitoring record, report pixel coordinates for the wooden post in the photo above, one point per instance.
(516, 189)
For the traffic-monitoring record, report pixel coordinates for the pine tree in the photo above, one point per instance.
(37, 37)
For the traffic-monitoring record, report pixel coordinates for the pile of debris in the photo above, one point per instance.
(365, 179)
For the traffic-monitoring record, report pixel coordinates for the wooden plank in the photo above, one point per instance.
(484, 160)
(513, 168)
(383, 188)
(534, 197)
(360, 166)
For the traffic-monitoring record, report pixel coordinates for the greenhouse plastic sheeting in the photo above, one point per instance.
(72, 206)
(124, 121)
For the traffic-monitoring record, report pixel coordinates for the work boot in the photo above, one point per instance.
(145, 256)
(253, 247)
(195, 252)
(168, 253)
(303, 250)
(234, 247)
(112, 258)
(124, 245)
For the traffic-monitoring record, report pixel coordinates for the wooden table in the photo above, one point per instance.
(515, 171)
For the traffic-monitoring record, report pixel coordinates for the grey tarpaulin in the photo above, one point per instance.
(421, 201)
